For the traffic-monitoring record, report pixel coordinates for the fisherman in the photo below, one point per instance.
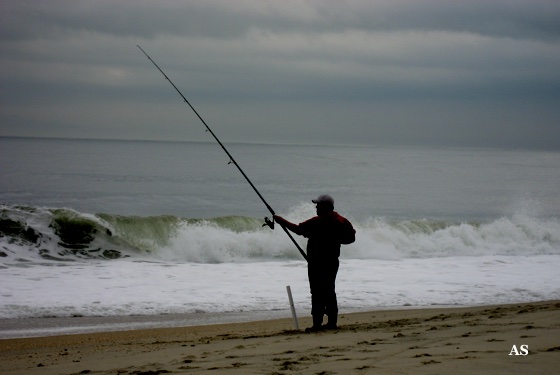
(325, 233)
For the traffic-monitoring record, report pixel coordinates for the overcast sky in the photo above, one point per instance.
(428, 72)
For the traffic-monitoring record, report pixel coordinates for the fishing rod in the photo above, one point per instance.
(268, 222)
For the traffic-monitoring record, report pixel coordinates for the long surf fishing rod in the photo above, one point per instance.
(268, 222)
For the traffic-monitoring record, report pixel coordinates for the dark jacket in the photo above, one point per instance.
(325, 234)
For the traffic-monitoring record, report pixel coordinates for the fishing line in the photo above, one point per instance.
(268, 222)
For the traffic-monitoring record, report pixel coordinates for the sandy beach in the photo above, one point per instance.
(421, 341)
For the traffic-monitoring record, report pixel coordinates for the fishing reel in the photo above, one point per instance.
(268, 223)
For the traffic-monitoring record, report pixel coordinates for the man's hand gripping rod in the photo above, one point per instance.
(268, 222)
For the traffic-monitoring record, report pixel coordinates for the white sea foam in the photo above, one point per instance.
(232, 264)
(123, 287)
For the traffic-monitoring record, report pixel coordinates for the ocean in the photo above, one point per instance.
(106, 235)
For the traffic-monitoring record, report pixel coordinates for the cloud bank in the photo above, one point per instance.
(425, 72)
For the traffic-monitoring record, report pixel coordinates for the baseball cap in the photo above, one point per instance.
(325, 198)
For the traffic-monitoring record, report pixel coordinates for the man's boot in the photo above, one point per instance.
(331, 324)
(317, 324)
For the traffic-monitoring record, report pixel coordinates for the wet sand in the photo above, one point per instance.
(424, 341)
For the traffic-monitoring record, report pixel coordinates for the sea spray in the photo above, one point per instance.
(130, 265)
(37, 234)
(516, 236)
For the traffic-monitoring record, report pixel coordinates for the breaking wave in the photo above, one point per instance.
(39, 234)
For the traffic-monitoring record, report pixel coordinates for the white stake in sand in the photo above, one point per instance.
(296, 325)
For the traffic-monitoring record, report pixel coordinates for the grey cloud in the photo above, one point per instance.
(502, 18)
(422, 71)
(226, 19)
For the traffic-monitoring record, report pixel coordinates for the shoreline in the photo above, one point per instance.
(19, 328)
(462, 340)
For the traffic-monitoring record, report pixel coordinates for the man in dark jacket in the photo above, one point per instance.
(325, 233)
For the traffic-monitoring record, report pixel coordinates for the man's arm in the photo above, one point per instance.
(286, 224)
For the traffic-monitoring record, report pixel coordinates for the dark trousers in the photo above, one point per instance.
(322, 277)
